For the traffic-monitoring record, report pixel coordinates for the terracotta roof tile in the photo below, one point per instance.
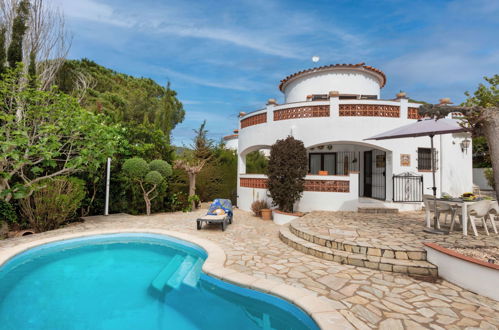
(326, 67)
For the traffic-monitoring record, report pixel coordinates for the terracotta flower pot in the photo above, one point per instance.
(323, 172)
(266, 214)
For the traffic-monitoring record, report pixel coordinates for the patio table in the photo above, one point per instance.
(463, 204)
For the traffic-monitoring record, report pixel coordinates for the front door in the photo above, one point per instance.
(368, 173)
(375, 174)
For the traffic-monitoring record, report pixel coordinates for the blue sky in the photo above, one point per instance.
(223, 57)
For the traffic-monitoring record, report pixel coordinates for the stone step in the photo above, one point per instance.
(410, 267)
(390, 252)
(377, 210)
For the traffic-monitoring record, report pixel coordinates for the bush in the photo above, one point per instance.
(54, 204)
(7, 213)
(135, 168)
(149, 177)
(258, 206)
(489, 175)
(286, 172)
(162, 167)
(218, 178)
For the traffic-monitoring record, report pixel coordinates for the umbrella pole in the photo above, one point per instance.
(435, 229)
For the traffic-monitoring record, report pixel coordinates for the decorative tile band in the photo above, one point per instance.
(413, 113)
(254, 120)
(302, 112)
(253, 183)
(327, 185)
(310, 185)
(369, 110)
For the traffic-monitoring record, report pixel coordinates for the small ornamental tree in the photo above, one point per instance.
(286, 172)
(148, 176)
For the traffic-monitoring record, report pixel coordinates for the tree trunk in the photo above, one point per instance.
(491, 132)
(192, 188)
(148, 204)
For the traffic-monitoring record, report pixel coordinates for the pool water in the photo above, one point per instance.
(131, 281)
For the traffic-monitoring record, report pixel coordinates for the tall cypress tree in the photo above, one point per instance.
(19, 27)
(32, 69)
(3, 55)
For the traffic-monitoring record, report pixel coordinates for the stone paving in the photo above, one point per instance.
(402, 231)
(367, 298)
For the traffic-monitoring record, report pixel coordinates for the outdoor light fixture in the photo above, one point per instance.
(465, 144)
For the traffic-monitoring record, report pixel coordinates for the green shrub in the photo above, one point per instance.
(135, 168)
(256, 163)
(148, 177)
(489, 175)
(286, 172)
(7, 213)
(54, 204)
(162, 167)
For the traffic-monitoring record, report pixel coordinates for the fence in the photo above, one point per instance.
(407, 187)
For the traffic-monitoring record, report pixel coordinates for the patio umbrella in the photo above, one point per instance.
(425, 127)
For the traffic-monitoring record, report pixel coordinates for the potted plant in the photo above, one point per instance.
(266, 214)
(257, 207)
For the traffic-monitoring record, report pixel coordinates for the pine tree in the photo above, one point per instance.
(3, 55)
(19, 27)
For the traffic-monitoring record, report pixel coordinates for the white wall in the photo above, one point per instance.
(454, 175)
(311, 200)
(480, 180)
(231, 144)
(456, 166)
(473, 277)
(343, 80)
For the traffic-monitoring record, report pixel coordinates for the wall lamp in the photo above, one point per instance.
(465, 144)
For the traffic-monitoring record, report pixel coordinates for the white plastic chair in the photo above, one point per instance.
(479, 210)
(429, 205)
(494, 214)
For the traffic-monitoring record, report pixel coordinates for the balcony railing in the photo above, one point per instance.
(342, 108)
(302, 112)
(369, 110)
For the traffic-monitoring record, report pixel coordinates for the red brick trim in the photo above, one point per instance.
(458, 255)
(342, 186)
(369, 110)
(229, 137)
(253, 183)
(302, 112)
(327, 185)
(254, 120)
(333, 66)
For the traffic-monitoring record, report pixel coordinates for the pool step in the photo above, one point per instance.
(164, 275)
(179, 270)
(192, 278)
(183, 270)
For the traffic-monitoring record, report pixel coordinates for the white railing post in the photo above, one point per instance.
(403, 108)
(108, 177)
(271, 103)
(334, 104)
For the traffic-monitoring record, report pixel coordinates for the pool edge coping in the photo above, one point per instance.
(322, 312)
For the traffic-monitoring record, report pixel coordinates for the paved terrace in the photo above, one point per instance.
(400, 231)
(366, 298)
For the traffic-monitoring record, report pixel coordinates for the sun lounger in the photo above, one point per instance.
(213, 215)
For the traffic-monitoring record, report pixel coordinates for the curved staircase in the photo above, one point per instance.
(394, 259)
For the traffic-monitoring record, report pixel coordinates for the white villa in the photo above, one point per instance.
(333, 109)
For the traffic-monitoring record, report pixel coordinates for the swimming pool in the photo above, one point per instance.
(131, 281)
